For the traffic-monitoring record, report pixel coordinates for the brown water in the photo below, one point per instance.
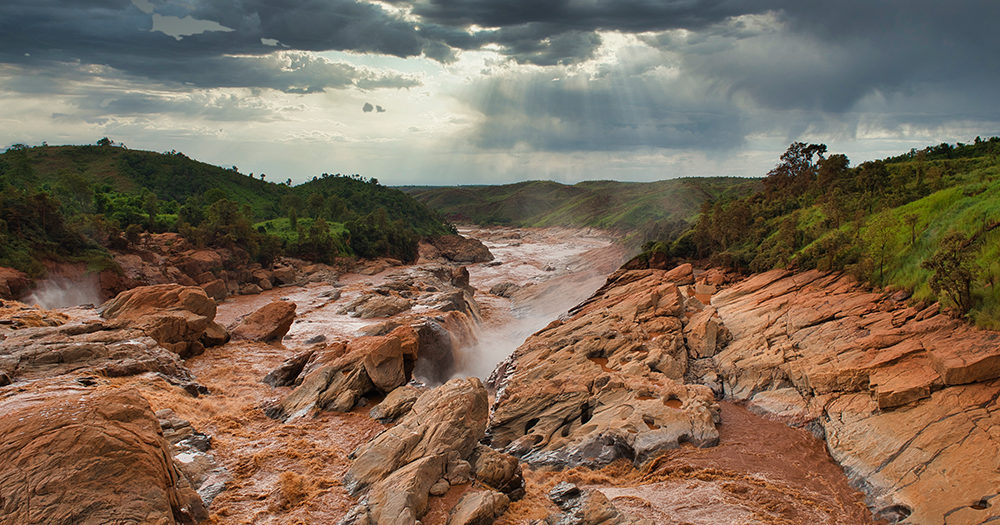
(761, 472)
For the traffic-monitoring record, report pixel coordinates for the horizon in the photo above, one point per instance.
(469, 93)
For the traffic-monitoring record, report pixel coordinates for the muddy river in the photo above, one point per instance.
(762, 471)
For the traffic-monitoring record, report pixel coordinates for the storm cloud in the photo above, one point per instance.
(710, 76)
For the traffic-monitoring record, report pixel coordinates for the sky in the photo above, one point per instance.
(496, 91)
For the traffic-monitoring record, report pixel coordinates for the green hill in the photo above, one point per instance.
(640, 210)
(927, 221)
(69, 202)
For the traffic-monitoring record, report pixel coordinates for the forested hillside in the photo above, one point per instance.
(639, 210)
(71, 202)
(927, 221)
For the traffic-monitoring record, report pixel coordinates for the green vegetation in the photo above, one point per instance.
(73, 202)
(640, 210)
(927, 221)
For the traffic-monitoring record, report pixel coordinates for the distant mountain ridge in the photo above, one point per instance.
(641, 210)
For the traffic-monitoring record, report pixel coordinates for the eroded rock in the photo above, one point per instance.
(89, 458)
(269, 323)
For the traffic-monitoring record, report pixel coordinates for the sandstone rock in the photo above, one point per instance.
(440, 488)
(269, 323)
(375, 305)
(175, 316)
(584, 507)
(89, 458)
(36, 353)
(283, 275)
(588, 390)
(13, 283)
(343, 377)
(498, 470)
(903, 395)
(460, 249)
(450, 418)
(289, 370)
(250, 289)
(396, 404)
(215, 335)
(505, 289)
(216, 289)
(481, 507)
(705, 335)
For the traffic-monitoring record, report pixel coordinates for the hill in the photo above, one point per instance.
(639, 210)
(926, 222)
(70, 202)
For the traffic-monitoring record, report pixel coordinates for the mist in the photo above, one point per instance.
(62, 292)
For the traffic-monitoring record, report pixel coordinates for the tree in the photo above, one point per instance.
(104, 142)
(953, 271)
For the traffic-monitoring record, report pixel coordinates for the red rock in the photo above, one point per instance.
(89, 458)
(175, 316)
(13, 283)
(269, 323)
(459, 249)
(216, 289)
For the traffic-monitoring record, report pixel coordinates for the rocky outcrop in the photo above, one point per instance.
(89, 348)
(607, 383)
(13, 283)
(905, 396)
(586, 507)
(481, 507)
(268, 323)
(454, 248)
(432, 442)
(342, 375)
(89, 458)
(175, 316)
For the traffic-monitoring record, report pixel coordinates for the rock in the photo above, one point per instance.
(338, 383)
(505, 289)
(89, 458)
(440, 488)
(383, 362)
(498, 470)
(89, 348)
(283, 275)
(583, 391)
(215, 335)
(250, 289)
(380, 306)
(895, 389)
(481, 507)
(401, 498)
(269, 323)
(289, 370)
(449, 418)
(216, 289)
(705, 335)
(13, 283)
(460, 249)
(175, 316)
(396, 404)
(584, 507)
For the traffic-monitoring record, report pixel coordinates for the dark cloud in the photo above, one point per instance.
(610, 112)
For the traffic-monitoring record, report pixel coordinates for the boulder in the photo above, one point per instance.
(216, 289)
(89, 458)
(399, 468)
(449, 418)
(342, 377)
(460, 249)
(175, 316)
(505, 289)
(481, 507)
(585, 507)
(396, 404)
(498, 470)
(268, 323)
(215, 335)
